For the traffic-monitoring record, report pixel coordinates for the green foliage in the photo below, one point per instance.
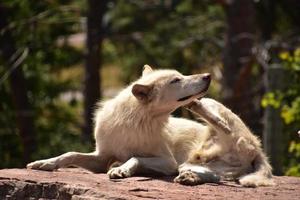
(294, 164)
(272, 99)
(288, 101)
(38, 26)
(291, 113)
(183, 34)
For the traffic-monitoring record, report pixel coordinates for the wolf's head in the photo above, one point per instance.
(165, 90)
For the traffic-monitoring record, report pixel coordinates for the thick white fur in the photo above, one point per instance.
(136, 129)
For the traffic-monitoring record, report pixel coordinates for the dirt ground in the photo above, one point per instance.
(80, 184)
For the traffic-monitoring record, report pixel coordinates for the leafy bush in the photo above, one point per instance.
(288, 101)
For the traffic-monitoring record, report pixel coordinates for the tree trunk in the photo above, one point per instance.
(24, 113)
(92, 81)
(238, 93)
(273, 138)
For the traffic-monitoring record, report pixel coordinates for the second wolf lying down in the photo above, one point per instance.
(136, 129)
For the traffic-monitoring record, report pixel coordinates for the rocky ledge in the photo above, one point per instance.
(80, 184)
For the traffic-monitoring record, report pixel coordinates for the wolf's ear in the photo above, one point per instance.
(141, 92)
(147, 69)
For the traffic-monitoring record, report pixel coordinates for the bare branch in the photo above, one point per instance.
(18, 61)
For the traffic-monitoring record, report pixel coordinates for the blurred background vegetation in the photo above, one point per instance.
(58, 57)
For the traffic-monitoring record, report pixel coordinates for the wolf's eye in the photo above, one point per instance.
(175, 80)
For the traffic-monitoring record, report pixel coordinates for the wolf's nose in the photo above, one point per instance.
(206, 77)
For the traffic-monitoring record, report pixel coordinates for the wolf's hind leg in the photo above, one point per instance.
(90, 161)
(203, 156)
(194, 175)
(208, 110)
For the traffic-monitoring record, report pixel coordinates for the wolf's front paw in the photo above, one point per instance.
(47, 165)
(188, 178)
(119, 172)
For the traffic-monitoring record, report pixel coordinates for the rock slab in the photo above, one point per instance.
(79, 184)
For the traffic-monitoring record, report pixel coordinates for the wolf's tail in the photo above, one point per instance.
(262, 175)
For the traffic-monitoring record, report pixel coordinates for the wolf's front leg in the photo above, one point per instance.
(167, 166)
(90, 161)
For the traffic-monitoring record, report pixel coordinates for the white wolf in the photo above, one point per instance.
(135, 128)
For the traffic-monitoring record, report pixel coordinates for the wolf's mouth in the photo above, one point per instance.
(190, 96)
(185, 98)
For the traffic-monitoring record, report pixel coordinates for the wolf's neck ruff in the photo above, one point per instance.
(134, 113)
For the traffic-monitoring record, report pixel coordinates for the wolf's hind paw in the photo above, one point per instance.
(188, 178)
